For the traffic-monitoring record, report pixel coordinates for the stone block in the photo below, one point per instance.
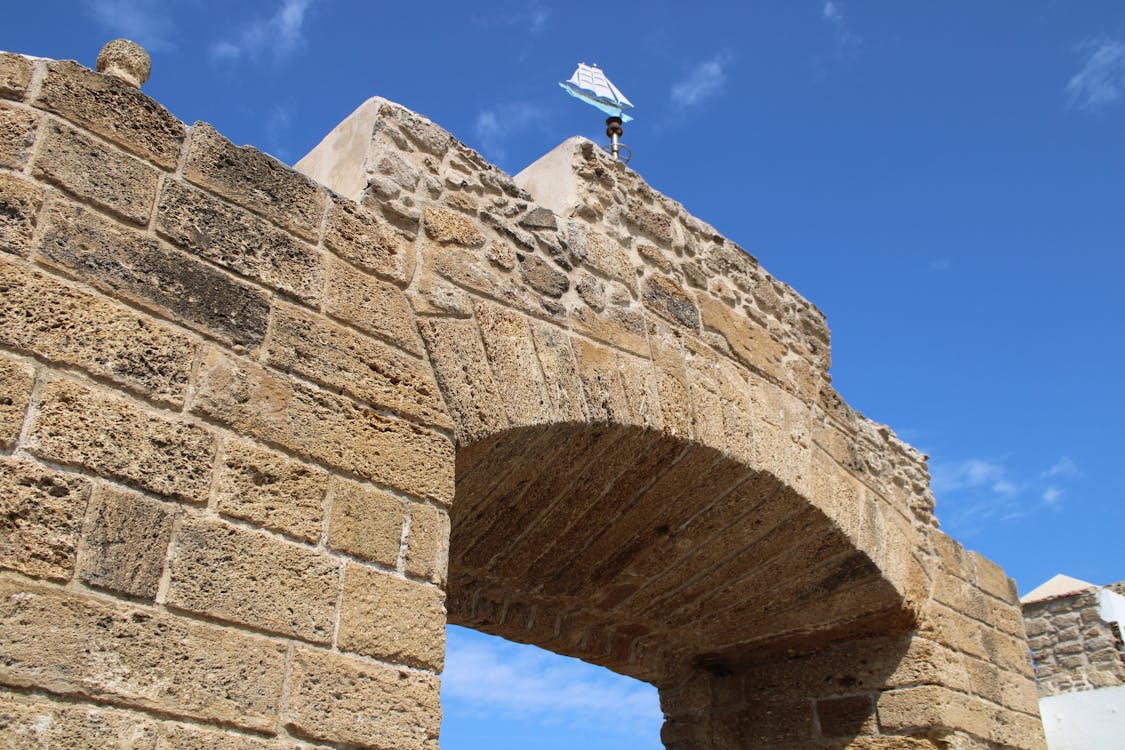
(40, 517)
(114, 110)
(608, 257)
(992, 579)
(601, 382)
(30, 723)
(255, 579)
(109, 651)
(620, 326)
(17, 135)
(56, 321)
(846, 717)
(256, 181)
(668, 300)
(638, 379)
(271, 490)
(372, 305)
(918, 709)
(775, 723)
(542, 276)
(87, 168)
(363, 239)
(450, 227)
(117, 438)
(16, 379)
(20, 202)
(466, 381)
(136, 267)
(368, 370)
(366, 522)
(188, 737)
(393, 619)
(511, 355)
(427, 548)
(15, 75)
(560, 372)
(238, 240)
(748, 342)
(327, 428)
(343, 699)
(124, 542)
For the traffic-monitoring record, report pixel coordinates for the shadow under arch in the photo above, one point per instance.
(668, 561)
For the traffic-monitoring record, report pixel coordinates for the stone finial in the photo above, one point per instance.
(126, 60)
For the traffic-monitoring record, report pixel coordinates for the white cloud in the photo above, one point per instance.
(847, 41)
(149, 23)
(495, 125)
(485, 675)
(532, 17)
(1052, 495)
(703, 81)
(279, 36)
(1064, 467)
(972, 473)
(1101, 82)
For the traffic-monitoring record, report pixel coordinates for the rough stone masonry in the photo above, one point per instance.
(264, 433)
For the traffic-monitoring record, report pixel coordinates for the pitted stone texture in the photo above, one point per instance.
(20, 202)
(366, 522)
(393, 619)
(271, 490)
(450, 227)
(133, 656)
(40, 517)
(124, 59)
(28, 723)
(15, 75)
(372, 305)
(17, 135)
(360, 237)
(124, 542)
(16, 379)
(428, 544)
(251, 578)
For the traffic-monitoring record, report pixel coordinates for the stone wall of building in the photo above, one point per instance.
(260, 440)
(1072, 647)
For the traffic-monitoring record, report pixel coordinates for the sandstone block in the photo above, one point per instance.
(390, 618)
(15, 75)
(136, 267)
(639, 382)
(601, 382)
(28, 723)
(917, 709)
(116, 438)
(256, 181)
(94, 172)
(511, 354)
(240, 241)
(252, 578)
(750, 344)
(40, 517)
(114, 110)
(993, 580)
(775, 723)
(655, 224)
(124, 542)
(16, 379)
(328, 428)
(609, 258)
(366, 522)
(560, 371)
(187, 737)
(668, 300)
(271, 490)
(374, 306)
(360, 237)
(450, 227)
(56, 321)
(466, 381)
(846, 717)
(135, 656)
(20, 202)
(672, 384)
(542, 276)
(17, 135)
(368, 370)
(336, 698)
(623, 327)
(428, 544)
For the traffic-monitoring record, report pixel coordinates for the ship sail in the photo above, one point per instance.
(590, 85)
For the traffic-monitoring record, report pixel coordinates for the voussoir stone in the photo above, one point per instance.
(40, 518)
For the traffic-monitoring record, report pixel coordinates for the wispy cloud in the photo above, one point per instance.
(975, 491)
(532, 17)
(847, 41)
(490, 676)
(276, 126)
(495, 125)
(703, 81)
(277, 37)
(1101, 81)
(149, 23)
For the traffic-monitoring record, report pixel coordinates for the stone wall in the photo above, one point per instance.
(1072, 647)
(260, 440)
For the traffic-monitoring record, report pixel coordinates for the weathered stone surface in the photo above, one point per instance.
(136, 267)
(116, 438)
(15, 391)
(124, 542)
(114, 110)
(17, 135)
(511, 355)
(428, 543)
(846, 717)
(560, 372)
(20, 202)
(601, 381)
(606, 256)
(28, 723)
(126, 60)
(56, 321)
(620, 326)
(257, 181)
(330, 429)
(252, 578)
(96, 173)
(40, 517)
(749, 343)
(240, 241)
(366, 522)
(136, 656)
(466, 381)
(542, 276)
(15, 75)
(391, 618)
(360, 237)
(186, 737)
(451, 227)
(271, 490)
(338, 698)
(366, 369)
(371, 305)
(671, 302)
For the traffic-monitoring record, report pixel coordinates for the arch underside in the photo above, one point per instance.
(650, 555)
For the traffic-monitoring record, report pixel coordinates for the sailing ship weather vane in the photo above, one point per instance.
(590, 85)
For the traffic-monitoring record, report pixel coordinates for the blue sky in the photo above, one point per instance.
(945, 180)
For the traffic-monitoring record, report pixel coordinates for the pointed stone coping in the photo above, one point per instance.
(1060, 585)
(552, 179)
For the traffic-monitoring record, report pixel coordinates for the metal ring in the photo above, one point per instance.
(623, 158)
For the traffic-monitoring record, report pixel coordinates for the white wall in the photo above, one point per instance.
(1090, 720)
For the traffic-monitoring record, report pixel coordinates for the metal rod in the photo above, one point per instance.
(615, 157)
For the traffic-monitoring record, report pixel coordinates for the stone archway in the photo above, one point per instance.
(244, 414)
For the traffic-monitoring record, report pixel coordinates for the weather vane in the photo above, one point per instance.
(591, 86)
